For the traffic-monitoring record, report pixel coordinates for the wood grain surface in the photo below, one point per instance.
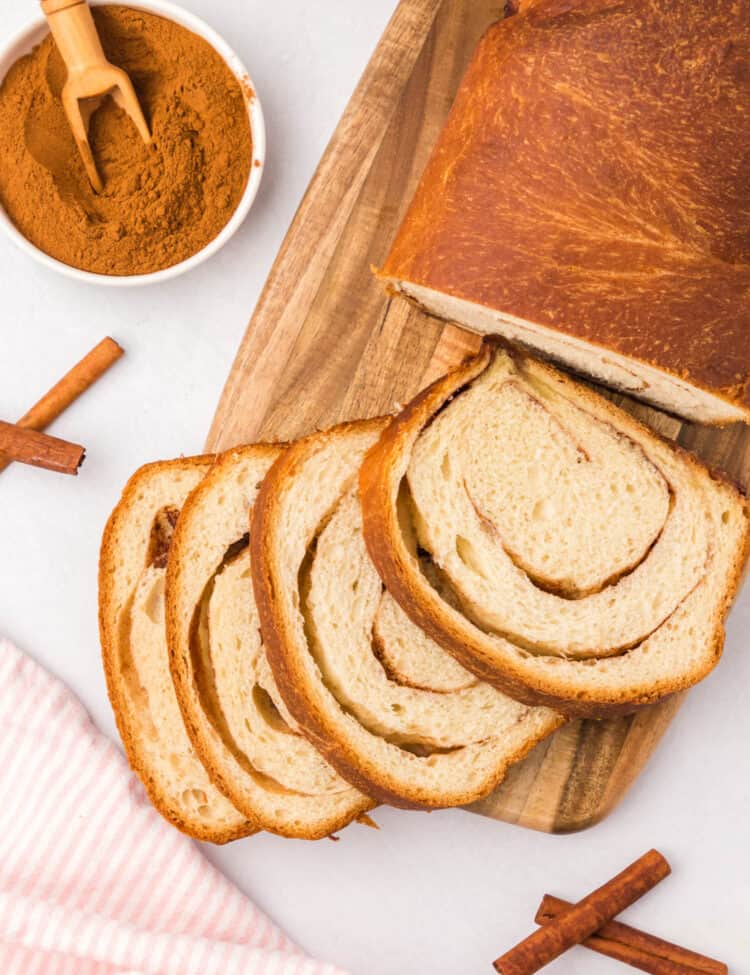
(326, 344)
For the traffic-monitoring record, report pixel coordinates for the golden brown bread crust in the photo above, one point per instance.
(116, 524)
(593, 177)
(383, 468)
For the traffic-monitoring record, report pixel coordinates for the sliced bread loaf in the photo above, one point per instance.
(588, 198)
(374, 694)
(236, 718)
(574, 558)
(134, 649)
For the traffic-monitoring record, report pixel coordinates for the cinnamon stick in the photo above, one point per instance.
(84, 374)
(636, 948)
(40, 450)
(585, 918)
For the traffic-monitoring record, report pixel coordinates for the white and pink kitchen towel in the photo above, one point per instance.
(92, 880)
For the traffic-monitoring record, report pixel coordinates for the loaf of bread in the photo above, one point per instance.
(388, 708)
(235, 716)
(588, 197)
(559, 549)
(134, 650)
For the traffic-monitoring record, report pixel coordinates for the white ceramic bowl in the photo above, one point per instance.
(31, 35)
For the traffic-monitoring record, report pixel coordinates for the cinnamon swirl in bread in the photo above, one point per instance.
(373, 693)
(559, 549)
(236, 718)
(132, 571)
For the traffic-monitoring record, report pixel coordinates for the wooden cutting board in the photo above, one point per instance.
(326, 344)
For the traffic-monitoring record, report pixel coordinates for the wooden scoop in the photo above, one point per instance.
(91, 77)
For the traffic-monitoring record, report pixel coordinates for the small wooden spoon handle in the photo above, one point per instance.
(53, 6)
(75, 33)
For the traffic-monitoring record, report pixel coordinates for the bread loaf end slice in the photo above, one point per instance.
(132, 570)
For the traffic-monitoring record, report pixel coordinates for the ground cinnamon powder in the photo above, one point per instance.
(161, 203)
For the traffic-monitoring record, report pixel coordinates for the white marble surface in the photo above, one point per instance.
(441, 893)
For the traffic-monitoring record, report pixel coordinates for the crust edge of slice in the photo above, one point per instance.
(196, 829)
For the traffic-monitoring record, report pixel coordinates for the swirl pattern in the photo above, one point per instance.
(134, 649)
(395, 714)
(574, 558)
(236, 717)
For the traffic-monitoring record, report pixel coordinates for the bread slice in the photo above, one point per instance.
(588, 198)
(236, 718)
(134, 650)
(354, 672)
(576, 559)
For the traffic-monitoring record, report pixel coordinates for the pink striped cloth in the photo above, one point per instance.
(92, 880)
